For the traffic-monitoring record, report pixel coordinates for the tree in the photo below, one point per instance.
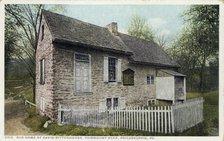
(11, 38)
(26, 19)
(199, 41)
(204, 21)
(161, 40)
(140, 28)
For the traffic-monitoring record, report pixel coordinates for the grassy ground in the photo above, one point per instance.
(23, 90)
(36, 122)
(210, 123)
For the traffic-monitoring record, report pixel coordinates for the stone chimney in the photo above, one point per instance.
(112, 27)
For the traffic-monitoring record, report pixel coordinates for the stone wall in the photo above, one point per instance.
(59, 78)
(45, 51)
(64, 79)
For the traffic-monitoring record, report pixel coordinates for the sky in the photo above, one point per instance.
(164, 19)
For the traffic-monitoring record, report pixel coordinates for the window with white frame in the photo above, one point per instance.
(112, 69)
(42, 32)
(151, 102)
(42, 71)
(150, 79)
(112, 103)
(82, 72)
(109, 103)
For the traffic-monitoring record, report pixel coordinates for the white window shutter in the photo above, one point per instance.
(105, 69)
(119, 70)
(102, 104)
(122, 103)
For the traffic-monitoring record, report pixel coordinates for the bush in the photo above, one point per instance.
(34, 121)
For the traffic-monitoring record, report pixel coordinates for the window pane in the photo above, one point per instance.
(112, 69)
(42, 36)
(115, 104)
(150, 79)
(82, 75)
(42, 71)
(109, 103)
(82, 58)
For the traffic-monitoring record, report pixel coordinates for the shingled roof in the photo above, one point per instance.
(69, 30)
(66, 29)
(147, 52)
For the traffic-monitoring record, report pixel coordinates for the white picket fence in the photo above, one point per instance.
(163, 119)
(188, 114)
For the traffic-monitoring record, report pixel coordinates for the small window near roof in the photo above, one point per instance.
(42, 71)
(42, 32)
(150, 79)
(128, 77)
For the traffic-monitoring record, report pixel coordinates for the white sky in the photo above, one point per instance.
(164, 19)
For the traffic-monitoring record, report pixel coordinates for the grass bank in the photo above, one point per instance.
(211, 114)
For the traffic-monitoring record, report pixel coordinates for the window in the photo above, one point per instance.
(115, 102)
(128, 77)
(112, 69)
(82, 58)
(82, 73)
(109, 103)
(151, 102)
(112, 102)
(42, 71)
(42, 32)
(42, 104)
(150, 79)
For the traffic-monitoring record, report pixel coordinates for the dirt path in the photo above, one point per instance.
(14, 118)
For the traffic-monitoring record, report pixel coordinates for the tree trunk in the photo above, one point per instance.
(201, 87)
(34, 92)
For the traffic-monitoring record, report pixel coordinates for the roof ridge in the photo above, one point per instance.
(139, 38)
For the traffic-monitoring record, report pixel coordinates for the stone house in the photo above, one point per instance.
(83, 64)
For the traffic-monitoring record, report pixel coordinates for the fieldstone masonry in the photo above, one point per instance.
(59, 77)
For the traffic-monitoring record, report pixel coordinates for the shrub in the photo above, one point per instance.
(34, 121)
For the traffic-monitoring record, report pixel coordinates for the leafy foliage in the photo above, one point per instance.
(140, 28)
(22, 25)
(196, 49)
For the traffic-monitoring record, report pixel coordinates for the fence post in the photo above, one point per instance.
(159, 112)
(133, 125)
(169, 119)
(172, 119)
(140, 118)
(152, 120)
(149, 117)
(59, 113)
